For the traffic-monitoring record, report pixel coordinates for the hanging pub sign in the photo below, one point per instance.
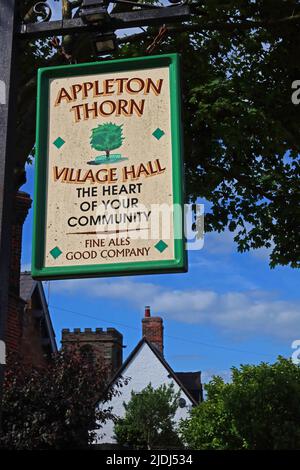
(108, 185)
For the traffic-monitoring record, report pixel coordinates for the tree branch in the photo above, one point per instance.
(211, 26)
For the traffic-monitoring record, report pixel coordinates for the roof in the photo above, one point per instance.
(192, 381)
(27, 288)
(160, 357)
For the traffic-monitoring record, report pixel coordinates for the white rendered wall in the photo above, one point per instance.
(145, 368)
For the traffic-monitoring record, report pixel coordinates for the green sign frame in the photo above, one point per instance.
(179, 263)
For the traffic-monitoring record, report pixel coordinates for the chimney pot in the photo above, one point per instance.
(147, 312)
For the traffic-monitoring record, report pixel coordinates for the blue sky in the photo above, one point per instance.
(229, 309)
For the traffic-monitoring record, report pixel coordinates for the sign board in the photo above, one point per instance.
(108, 185)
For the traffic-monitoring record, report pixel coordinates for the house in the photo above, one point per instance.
(147, 364)
(29, 332)
(38, 338)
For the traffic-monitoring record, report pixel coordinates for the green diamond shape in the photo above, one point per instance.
(161, 246)
(59, 142)
(158, 133)
(55, 252)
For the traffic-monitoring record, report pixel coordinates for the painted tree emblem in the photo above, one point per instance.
(107, 137)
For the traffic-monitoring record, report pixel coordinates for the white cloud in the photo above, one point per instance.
(124, 289)
(250, 312)
(207, 375)
(223, 244)
(219, 243)
(26, 267)
(186, 357)
(262, 254)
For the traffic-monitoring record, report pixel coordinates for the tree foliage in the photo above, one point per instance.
(259, 409)
(107, 137)
(241, 132)
(54, 407)
(149, 419)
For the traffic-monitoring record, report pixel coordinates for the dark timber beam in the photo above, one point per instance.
(116, 21)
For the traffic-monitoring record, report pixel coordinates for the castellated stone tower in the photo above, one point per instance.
(106, 346)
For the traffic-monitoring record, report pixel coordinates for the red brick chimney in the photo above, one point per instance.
(153, 330)
(15, 303)
(22, 206)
